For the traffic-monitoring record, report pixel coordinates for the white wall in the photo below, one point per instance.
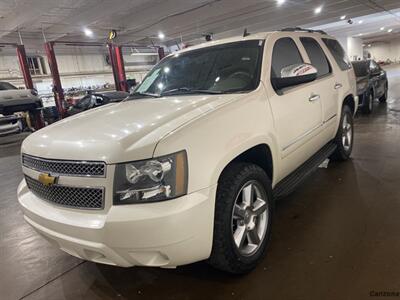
(76, 70)
(354, 48)
(385, 50)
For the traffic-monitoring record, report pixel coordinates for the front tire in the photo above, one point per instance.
(368, 103)
(384, 97)
(344, 136)
(243, 214)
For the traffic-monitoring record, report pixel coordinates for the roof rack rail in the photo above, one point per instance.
(291, 29)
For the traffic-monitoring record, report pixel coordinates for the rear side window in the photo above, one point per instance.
(285, 53)
(338, 53)
(316, 55)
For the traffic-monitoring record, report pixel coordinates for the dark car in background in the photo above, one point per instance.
(95, 99)
(372, 84)
(14, 100)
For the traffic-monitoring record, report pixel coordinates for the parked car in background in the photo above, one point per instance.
(14, 100)
(96, 99)
(372, 84)
(10, 125)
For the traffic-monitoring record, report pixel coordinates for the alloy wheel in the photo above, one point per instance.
(347, 133)
(250, 218)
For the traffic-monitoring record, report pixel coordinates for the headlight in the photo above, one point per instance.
(152, 180)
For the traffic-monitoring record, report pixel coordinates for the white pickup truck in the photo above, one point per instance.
(189, 166)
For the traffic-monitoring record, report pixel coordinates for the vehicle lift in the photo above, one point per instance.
(116, 61)
(23, 64)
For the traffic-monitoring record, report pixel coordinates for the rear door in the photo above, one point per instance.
(326, 82)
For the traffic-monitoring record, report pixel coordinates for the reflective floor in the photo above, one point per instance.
(336, 237)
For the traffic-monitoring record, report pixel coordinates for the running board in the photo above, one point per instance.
(290, 183)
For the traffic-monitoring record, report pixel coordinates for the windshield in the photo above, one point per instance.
(227, 68)
(84, 102)
(6, 86)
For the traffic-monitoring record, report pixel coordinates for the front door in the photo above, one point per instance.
(297, 110)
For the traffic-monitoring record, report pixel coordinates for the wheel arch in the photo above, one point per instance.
(350, 101)
(259, 154)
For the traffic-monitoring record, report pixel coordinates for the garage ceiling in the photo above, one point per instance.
(140, 21)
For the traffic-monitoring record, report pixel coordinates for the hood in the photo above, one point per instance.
(120, 132)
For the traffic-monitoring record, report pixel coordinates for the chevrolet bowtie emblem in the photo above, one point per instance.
(47, 179)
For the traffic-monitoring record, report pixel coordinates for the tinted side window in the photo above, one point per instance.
(285, 53)
(316, 55)
(338, 53)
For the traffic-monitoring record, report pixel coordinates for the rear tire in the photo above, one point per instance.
(368, 103)
(344, 136)
(243, 213)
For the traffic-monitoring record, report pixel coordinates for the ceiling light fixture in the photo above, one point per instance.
(382, 28)
(280, 2)
(343, 17)
(360, 22)
(161, 35)
(390, 30)
(318, 10)
(88, 32)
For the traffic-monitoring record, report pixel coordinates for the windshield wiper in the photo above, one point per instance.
(186, 90)
(145, 94)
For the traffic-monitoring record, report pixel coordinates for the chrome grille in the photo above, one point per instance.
(74, 197)
(65, 167)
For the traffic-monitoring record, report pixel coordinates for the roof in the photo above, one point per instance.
(249, 37)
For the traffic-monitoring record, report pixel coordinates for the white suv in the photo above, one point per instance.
(188, 167)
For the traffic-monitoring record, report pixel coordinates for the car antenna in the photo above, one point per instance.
(245, 33)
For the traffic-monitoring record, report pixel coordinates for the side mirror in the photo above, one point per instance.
(376, 72)
(294, 75)
(99, 101)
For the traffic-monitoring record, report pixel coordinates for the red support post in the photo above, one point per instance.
(111, 53)
(23, 64)
(119, 59)
(57, 87)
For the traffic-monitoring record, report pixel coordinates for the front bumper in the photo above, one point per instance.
(163, 234)
(10, 125)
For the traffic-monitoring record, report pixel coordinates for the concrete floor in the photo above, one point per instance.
(336, 237)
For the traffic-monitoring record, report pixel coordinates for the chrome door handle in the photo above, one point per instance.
(314, 98)
(338, 86)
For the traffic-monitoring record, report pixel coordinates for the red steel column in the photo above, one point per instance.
(23, 64)
(57, 87)
(111, 53)
(37, 121)
(119, 59)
